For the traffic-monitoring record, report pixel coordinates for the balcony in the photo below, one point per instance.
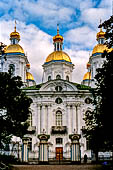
(59, 130)
(31, 129)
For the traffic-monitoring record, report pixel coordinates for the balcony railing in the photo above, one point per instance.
(59, 130)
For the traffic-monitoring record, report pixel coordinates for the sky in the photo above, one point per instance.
(37, 24)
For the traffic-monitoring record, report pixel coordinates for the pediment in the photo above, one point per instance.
(52, 86)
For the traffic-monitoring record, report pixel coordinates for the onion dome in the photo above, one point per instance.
(29, 77)
(15, 34)
(87, 76)
(14, 48)
(58, 55)
(57, 37)
(100, 34)
(100, 48)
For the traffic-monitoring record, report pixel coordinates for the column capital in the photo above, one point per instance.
(78, 105)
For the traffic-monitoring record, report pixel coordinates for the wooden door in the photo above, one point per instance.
(59, 153)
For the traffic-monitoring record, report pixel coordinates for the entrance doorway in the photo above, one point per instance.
(59, 153)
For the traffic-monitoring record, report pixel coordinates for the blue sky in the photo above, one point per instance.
(37, 21)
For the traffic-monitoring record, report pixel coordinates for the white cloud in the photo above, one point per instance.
(38, 46)
(81, 37)
(92, 16)
(79, 59)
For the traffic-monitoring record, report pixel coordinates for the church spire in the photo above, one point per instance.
(15, 27)
(101, 35)
(57, 29)
(15, 36)
(58, 41)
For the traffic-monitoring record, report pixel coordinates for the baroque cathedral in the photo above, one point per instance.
(59, 104)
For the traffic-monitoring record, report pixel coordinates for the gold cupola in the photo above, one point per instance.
(58, 54)
(100, 34)
(15, 34)
(14, 47)
(57, 37)
(100, 47)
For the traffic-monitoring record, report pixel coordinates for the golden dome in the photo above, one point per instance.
(15, 34)
(29, 76)
(100, 48)
(58, 55)
(14, 48)
(58, 37)
(87, 76)
(100, 34)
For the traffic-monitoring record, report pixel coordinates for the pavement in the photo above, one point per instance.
(60, 167)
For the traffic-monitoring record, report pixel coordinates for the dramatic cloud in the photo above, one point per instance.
(36, 23)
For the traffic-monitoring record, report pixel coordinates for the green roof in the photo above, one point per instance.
(79, 86)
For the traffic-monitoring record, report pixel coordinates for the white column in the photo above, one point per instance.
(43, 119)
(38, 120)
(76, 120)
(79, 118)
(74, 117)
(69, 119)
(33, 115)
(50, 120)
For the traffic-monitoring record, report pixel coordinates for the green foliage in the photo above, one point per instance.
(14, 108)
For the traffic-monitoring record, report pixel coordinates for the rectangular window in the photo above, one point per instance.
(59, 140)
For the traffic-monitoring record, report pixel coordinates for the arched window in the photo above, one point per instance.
(58, 77)
(58, 118)
(49, 78)
(58, 88)
(67, 78)
(12, 69)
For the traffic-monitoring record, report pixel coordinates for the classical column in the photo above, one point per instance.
(25, 150)
(43, 148)
(38, 119)
(50, 119)
(75, 148)
(43, 119)
(74, 118)
(33, 115)
(79, 118)
(69, 119)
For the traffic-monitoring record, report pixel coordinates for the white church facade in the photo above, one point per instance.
(59, 104)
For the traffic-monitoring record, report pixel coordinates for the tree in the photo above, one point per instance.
(99, 123)
(14, 108)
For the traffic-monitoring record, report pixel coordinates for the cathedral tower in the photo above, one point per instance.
(95, 60)
(58, 64)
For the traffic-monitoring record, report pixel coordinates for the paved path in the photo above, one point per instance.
(60, 167)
